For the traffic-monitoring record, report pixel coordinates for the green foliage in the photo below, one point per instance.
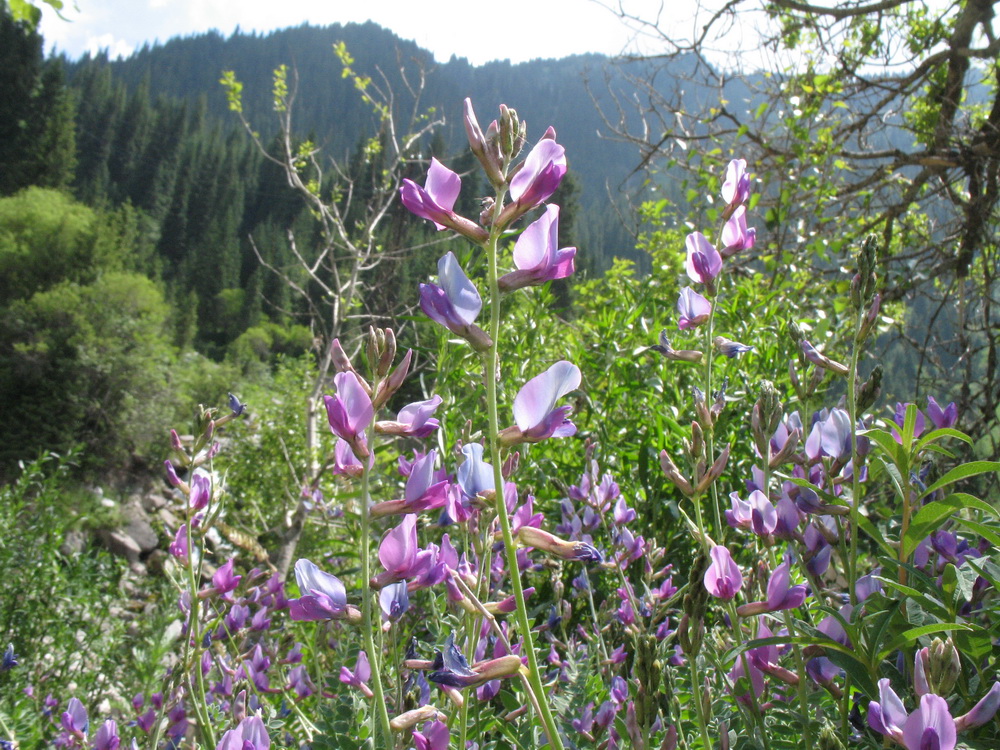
(46, 238)
(86, 364)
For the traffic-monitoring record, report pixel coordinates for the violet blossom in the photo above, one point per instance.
(359, 677)
(250, 734)
(693, 309)
(436, 201)
(413, 420)
(736, 237)
(736, 188)
(456, 303)
(704, 262)
(540, 173)
(536, 415)
(537, 255)
(350, 412)
(322, 595)
(942, 418)
(780, 594)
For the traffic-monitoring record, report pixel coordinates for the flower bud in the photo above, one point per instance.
(869, 391)
(812, 354)
(936, 668)
(410, 719)
(388, 353)
(674, 475)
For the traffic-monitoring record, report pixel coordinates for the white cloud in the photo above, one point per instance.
(115, 47)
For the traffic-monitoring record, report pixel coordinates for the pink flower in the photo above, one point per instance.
(723, 577)
(703, 261)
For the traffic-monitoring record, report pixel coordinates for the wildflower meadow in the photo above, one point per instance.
(674, 512)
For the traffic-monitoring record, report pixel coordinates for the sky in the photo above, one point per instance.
(536, 28)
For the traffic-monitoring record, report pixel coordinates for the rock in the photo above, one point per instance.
(74, 543)
(120, 543)
(138, 526)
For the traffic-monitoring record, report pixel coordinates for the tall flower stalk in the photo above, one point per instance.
(455, 303)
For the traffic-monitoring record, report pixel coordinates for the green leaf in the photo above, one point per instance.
(911, 635)
(971, 469)
(935, 435)
(930, 517)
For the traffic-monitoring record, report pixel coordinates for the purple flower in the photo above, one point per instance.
(350, 412)
(298, 680)
(475, 476)
(900, 419)
(323, 596)
(360, 676)
(780, 594)
(179, 546)
(735, 234)
(535, 412)
(435, 736)
(413, 420)
(394, 600)
(250, 734)
(537, 255)
(693, 308)
(106, 737)
(436, 201)
(74, 718)
(723, 577)
(942, 418)
(736, 188)
(540, 174)
(730, 348)
(677, 355)
(201, 490)
(887, 716)
(982, 712)
(703, 261)
(930, 727)
(399, 554)
(756, 513)
(423, 491)
(224, 582)
(456, 303)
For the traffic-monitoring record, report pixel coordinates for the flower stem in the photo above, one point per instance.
(510, 548)
(374, 656)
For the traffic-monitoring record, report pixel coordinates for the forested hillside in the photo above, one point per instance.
(169, 192)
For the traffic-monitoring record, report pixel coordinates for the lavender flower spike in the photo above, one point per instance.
(436, 202)
(455, 304)
(537, 254)
(536, 415)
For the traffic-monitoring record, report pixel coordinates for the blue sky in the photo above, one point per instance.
(536, 28)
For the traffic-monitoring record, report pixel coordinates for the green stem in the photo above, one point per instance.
(699, 704)
(194, 637)
(380, 716)
(510, 548)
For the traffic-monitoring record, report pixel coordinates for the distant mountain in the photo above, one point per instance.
(328, 109)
